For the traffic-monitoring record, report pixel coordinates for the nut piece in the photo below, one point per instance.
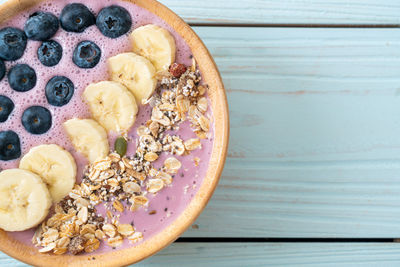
(76, 245)
(177, 69)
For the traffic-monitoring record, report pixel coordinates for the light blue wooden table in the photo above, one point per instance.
(314, 94)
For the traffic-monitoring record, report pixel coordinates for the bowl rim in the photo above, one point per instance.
(219, 104)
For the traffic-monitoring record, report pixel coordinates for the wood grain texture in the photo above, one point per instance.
(287, 11)
(315, 133)
(267, 254)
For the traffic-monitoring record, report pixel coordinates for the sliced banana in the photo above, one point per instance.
(24, 200)
(88, 138)
(155, 44)
(112, 105)
(135, 72)
(55, 166)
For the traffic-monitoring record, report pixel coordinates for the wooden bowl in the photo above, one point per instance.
(30, 254)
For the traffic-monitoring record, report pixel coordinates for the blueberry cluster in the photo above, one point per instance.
(112, 21)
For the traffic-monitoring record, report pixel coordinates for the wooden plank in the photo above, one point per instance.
(277, 254)
(315, 133)
(287, 11)
(267, 254)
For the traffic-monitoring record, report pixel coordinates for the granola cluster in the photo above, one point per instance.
(121, 183)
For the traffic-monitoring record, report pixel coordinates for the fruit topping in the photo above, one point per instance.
(120, 146)
(2, 69)
(50, 53)
(36, 119)
(135, 72)
(41, 26)
(114, 21)
(76, 18)
(59, 91)
(10, 146)
(12, 43)
(22, 78)
(156, 44)
(112, 105)
(86, 55)
(6, 107)
(88, 138)
(24, 200)
(56, 167)
(177, 70)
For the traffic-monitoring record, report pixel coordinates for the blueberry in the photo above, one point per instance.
(2, 69)
(36, 119)
(76, 18)
(86, 55)
(21, 78)
(10, 146)
(12, 43)
(59, 91)
(114, 21)
(41, 26)
(50, 53)
(6, 107)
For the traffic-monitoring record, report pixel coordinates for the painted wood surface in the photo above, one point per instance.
(315, 126)
(287, 11)
(268, 254)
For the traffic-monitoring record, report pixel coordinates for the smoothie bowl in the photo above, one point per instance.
(113, 130)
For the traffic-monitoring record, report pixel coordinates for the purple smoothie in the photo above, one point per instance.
(169, 202)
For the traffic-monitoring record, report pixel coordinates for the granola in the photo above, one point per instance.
(122, 183)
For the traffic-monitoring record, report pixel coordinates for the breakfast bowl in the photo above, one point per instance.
(188, 44)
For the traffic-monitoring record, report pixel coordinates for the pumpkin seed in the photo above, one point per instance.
(121, 146)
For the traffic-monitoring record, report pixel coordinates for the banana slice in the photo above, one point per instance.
(135, 72)
(155, 44)
(24, 200)
(112, 105)
(55, 165)
(88, 138)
